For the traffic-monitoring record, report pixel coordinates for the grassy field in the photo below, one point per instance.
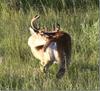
(20, 70)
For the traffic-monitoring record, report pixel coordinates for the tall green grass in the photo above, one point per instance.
(20, 70)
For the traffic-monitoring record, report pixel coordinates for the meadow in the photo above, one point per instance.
(19, 70)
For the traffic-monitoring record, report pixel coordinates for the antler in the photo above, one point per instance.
(50, 34)
(33, 23)
(56, 28)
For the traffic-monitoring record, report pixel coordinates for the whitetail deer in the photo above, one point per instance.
(50, 47)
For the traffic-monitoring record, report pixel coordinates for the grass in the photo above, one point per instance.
(20, 70)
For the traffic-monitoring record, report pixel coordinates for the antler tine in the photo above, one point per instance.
(53, 27)
(57, 27)
(37, 17)
(33, 22)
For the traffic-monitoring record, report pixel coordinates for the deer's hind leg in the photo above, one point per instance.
(46, 65)
(61, 70)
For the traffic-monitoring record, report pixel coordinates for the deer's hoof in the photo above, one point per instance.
(60, 73)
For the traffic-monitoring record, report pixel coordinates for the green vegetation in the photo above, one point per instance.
(20, 70)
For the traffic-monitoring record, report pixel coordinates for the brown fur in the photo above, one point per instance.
(63, 41)
(39, 47)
